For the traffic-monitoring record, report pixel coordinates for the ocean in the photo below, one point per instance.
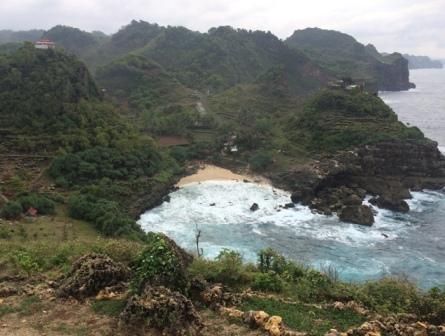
(408, 245)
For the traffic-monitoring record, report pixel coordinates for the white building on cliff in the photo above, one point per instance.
(44, 44)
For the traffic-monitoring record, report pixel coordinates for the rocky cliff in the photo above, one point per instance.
(394, 75)
(387, 171)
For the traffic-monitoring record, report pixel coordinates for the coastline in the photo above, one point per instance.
(208, 172)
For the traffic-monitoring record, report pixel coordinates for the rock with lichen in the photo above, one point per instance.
(89, 275)
(166, 311)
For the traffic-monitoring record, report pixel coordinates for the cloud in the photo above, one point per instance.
(396, 25)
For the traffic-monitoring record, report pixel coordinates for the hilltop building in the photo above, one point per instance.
(44, 44)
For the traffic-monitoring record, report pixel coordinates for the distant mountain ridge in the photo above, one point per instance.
(422, 62)
(225, 56)
(10, 36)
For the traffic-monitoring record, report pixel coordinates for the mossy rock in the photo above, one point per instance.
(90, 274)
(160, 308)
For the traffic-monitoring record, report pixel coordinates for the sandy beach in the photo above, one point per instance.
(213, 173)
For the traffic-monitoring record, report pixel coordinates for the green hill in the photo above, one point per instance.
(74, 40)
(343, 56)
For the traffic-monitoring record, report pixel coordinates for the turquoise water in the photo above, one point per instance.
(410, 245)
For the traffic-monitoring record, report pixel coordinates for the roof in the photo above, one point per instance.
(45, 41)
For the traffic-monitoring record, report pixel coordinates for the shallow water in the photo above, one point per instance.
(413, 246)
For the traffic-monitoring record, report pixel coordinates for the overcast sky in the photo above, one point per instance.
(414, 26)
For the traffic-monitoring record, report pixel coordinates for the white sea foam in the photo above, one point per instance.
(227, 203)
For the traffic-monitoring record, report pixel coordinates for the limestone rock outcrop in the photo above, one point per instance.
(89, 275)
(159, 308)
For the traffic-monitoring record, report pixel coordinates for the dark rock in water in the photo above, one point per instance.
(254, 207)
(386, 169)
(167, 199)
(393, 204)
(212, 204)
(90, 274)
(246, 181)
(353, 200)
(361, 214)
(166, 311)
(289, 206)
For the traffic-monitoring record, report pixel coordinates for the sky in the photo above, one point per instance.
(410, 26)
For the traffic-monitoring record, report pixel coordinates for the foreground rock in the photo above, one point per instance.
(89, 275)
(392, 326)
(169, 312)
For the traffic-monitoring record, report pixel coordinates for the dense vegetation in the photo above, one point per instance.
(335, 120)
(51, 105)
(74, 40)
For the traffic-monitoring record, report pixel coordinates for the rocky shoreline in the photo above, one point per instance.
(339, 183)
(388, 171)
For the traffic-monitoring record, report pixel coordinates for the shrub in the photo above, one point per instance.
(159, 265)
(270, 260)
(4, 233)
(389, 295)
(431, 306)
(227, 268)
(269, 282)
(26, 262)
(107, 216)
(261, 161)
(43, 204)
(12, 210)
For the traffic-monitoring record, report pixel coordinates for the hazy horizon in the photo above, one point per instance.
(403, 26)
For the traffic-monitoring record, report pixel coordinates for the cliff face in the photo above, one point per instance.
(387, 171)
(394, 75)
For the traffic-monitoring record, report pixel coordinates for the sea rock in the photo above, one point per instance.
(361, 214)
(384, 202)
(387, 169)
(289, 206)
(169, 312)
(254, 207)
(89, 275)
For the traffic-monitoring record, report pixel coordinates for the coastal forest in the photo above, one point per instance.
(100, 128)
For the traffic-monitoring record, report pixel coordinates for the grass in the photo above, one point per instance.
(54, 242)
(29, 306)
(65, 329)
(305, 318)
(5, 310)
(110, 308)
